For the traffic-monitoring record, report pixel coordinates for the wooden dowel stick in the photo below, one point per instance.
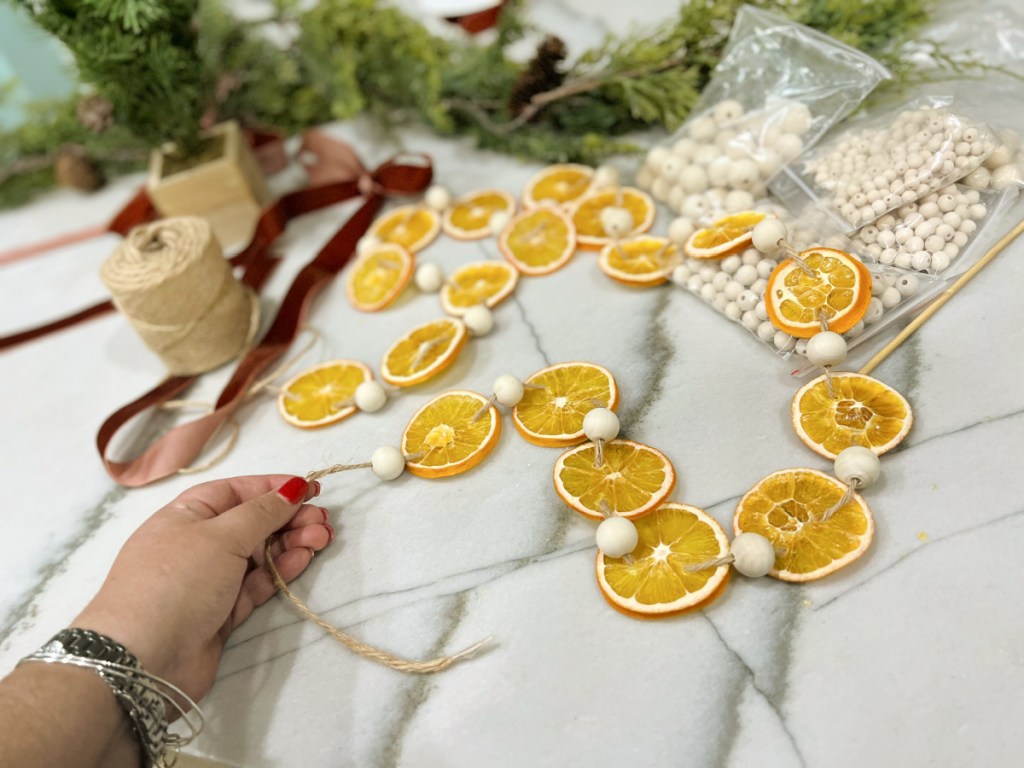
(949, 293)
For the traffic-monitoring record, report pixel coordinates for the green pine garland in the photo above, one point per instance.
(165, 64)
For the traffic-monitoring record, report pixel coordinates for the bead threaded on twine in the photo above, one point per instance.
(171, 281)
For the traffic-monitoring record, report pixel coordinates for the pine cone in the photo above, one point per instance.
(74, 168)
(95, 112)
(542, 74)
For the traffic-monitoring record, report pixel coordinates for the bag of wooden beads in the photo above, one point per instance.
(885, 160)
(778, 87)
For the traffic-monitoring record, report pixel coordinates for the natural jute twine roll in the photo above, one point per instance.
(172, 282)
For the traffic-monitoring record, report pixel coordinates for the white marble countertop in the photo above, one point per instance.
(910, 657)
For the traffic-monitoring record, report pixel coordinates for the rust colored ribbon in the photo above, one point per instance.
(183, 444)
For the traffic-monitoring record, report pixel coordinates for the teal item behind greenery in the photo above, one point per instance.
(33, 66)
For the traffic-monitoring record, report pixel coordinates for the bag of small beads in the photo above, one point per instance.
(778, 88)
(887, 160)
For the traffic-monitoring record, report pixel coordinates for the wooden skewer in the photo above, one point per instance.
(949, 293)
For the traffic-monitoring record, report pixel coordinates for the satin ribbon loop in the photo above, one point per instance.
(407, 173)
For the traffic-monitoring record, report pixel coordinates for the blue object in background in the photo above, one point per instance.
(35, 64)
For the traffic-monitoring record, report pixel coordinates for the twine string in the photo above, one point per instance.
(852, 488)
(228, 446)
(791, 253)
(484, 408)
(598, 453)
(829, 384)
(357, 646)
(717, 562)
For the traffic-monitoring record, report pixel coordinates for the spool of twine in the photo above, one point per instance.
(172, 282)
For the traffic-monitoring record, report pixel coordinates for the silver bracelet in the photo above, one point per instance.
(141, 694)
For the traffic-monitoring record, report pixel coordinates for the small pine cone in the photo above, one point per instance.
(75, 169)
(95, 112)
(542, 73)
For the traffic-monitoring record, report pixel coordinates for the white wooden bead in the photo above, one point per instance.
(694, 284)
(743, 174)
(675, 197)
(826, 348)
(801, 347)
(429, 277)
(680, 229)
(508, 390)
(706, 154)
(797, 119)
(934, 243)
(367, 243)
(616, 536)
(946, 203)
(915, 243)
(616, 221)
(681, 274)
(967, 227)
(783, 341)
(660, 188)
(747, 300)
(766, 332)
(437, 197)
(601, 424)
(707, 272)
(761, 310)
(746, 275)
(370, 397)
(727, 111)
(750, 257)
(927, 227)
(856, 330)
(887, 256)
(730, 264)
(644, 177)
(940, 262)
(479, 320)
(903, 259)
(788, 145)
(951, 250)
(498, 221)
(765, 267)
(605, 176)
(655, 158)
(733, 311)
(1008, 174)
(952, 218)
(693, 179)
(720, 280)
(891, 298)
(945, 231)
(908, 285)
(708, 292)
(695, 207)
(733, 288)
(874, 311)
(703, 128)
(922, 260)
(858, 463)
(753, 554)
(387, 462)
(738, 200)
(684, 148)
(751, 321)
(767, 233)
(960, 238)
(671, 167)
(759, 285)
(978, 211)
(720, 302)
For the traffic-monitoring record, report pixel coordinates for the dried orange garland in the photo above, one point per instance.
(655, 557)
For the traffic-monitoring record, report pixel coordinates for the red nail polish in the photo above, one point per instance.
(294, 490)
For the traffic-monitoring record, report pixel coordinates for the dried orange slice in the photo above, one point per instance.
(481, 282)
(632, 480)
(664, 577)
(469, 218)
(586, 216)
(864, 412)
(413, 227)
(788, 508)
(725, 237)
(558, 185)
(423, 352)
(538, 242)
(556, 398)
(639, 261)
(323, 394)
(840, 288)
(452, 433)
(378, 277)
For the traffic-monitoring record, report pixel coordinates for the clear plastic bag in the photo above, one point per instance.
(887, 160)
(936, 233)
(778, 88)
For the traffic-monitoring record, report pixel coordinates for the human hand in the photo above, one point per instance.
(194, 571)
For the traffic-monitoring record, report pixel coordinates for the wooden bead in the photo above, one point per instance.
(370, 397)
(616, 537)
(753, 555)
(429, 277)
(508, 390)
(437, 197)
(479, 320)
(601, 424)
(387, 462)
(858, 463)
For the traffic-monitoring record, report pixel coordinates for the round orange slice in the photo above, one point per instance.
(378, 277)
(556, 398)
(423, 352)
(469, 218)
(730, 234)
(452, 433)
(323, 394)
(632, 479)
(865, 412)
(665, 577)
(840, 288)
(590, 233)
(413, 227)
(539, 241)
(789, 507)
(639, 261)
(481, 282)
(558, 185)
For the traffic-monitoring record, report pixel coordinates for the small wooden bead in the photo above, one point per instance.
(730, 264)
(429, 277)
(858, 463)
(826, 348)
(508, 390)
(708, 292)
(766, 332)
(703, 128)
(694, 206)
(746, 275)
(765, 267)
(733, 311)
(753, 554)
(751, 321)
(890, 298)
(680, 229)
(387, 462)
(681, 274)
(498, 221)
(783, 341)
(693, 179)
(767, 234)
(874, 311)
(617, 221)
(908, 285)
(720, 280)
(940, 262)
(370, 397)
(616, 537)
(437, 197)
(733, 288)
(479, 320)
(367, 243)
(761, 310)
(605, 176)
(601, 424)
